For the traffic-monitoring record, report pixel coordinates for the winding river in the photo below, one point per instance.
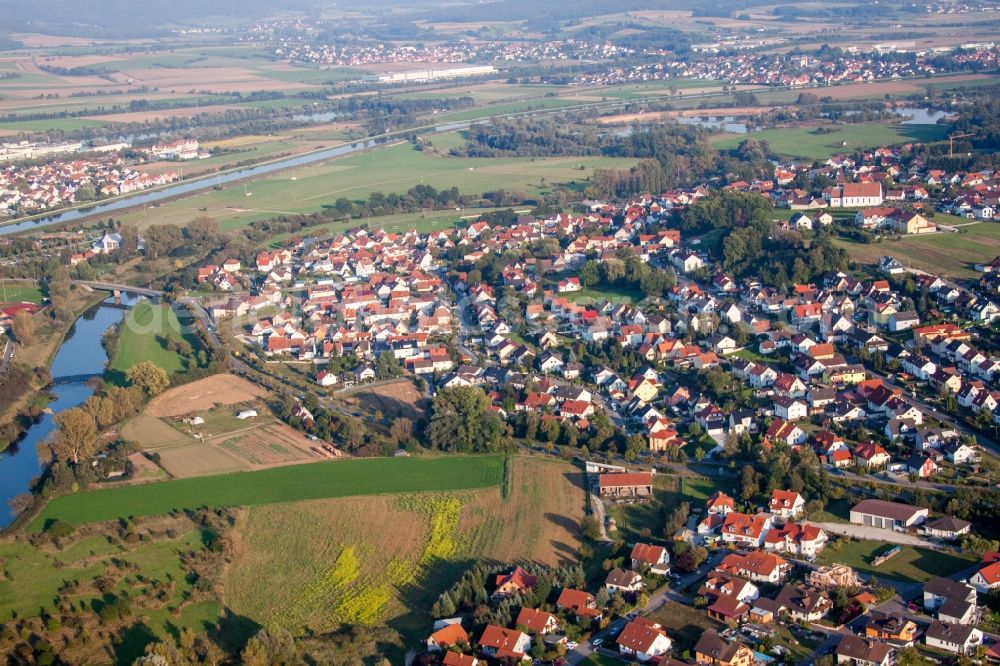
(81, 355)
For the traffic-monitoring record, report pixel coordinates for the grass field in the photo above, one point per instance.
(613, 294)
(62, 124)
(424, 222)
(911, 564)
(684, 624)
(20, 292)
(803, 142)
(391, 169)
(945, 254)
(145, 333)
(34, 577)
(370, 476)
(311, 566)
(507, 107)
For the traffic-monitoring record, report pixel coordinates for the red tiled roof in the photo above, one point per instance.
(626, 479)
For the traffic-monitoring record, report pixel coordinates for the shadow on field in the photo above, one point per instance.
(233, 631)
(420, 595)
(566, 553)
(576, 478)
(133, 644)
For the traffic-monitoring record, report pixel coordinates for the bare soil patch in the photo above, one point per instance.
(223, 389)
(394, 400)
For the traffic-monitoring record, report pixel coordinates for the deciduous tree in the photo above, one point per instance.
(76, 437)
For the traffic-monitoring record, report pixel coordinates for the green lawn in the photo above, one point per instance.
(371, 476)
(395, 168)
(613, 294)
(945, 254)
(20, 292)
(145, 333)
(911, 564)
(804, 142)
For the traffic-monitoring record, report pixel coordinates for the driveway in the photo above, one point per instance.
(876, 534)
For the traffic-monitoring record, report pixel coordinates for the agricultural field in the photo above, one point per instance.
(220, 443)
(393, 400)
(192, 430)
(311, 566)
(144, 336)
(807, 143)
(911, 564)
(395, 168)
(344, 478)
(221, 389)
(946, 254)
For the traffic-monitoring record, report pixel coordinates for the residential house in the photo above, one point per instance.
(890, 627)
(786, 504)
(537, 621)
(582, 604)
(863, 652)
(500, 643)
(758, 566)
(745, 530)
(644, 640)
(623, 580)
(448, 635)
(947, 527)
(655, 557)
(714, 650)
(960, 639)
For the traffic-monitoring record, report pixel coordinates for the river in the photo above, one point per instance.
(203, 182)
(80, 355)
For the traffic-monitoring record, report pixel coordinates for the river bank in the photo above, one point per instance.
(37, 359)
(80, 357)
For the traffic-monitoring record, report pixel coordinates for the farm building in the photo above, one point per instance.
(628, 484)
(887, 515)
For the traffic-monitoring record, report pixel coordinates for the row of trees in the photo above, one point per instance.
(76, 436)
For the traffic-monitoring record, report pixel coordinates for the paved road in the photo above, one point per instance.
(668, 592)
(875, 534)
(984, 441)
(888, 480)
